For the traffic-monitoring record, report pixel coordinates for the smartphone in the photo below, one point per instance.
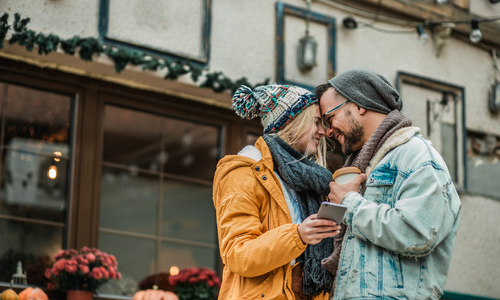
(331, 211)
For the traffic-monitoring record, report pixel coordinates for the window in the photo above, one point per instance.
(35, 175)
(156, 210)
(438, 109)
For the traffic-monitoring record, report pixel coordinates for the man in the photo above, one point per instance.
(401, 226)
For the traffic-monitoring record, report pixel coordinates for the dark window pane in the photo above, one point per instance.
(131, 138)
(156, 193)
(36, 120)
(186, 256)
(35, 176)
(129, 201)
(191, 149)
(32, 244)
(136, 260)
(188, 212)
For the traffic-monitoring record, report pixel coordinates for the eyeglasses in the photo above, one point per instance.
(326, 120)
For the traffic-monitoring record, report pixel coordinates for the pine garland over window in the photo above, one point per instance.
(87, 47)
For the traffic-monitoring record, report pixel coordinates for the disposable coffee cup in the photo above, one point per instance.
(345, 175)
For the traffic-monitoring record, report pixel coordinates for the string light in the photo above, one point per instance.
(475, 35)
(423, 37)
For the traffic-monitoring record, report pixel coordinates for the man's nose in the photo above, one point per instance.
(329, 132)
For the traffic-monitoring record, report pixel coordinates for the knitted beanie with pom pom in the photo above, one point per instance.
(276, 105)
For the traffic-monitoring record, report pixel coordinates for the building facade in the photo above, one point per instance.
(115, 113)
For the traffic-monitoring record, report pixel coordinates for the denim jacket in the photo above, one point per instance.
(402, 230)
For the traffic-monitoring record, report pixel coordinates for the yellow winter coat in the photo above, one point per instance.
(257, 239)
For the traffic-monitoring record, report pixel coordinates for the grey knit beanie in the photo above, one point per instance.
(368, 90)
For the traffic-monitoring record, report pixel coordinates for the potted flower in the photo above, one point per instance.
(196, 284)
(82, 271)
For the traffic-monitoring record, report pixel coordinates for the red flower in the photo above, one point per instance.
(55, 271)
(203, 276)
(71, 269)
(84, 269)
(60, 264)
(96, 273)
(61, 253)
(193, 280)
(112, 273)
(105, 273)
(85, 250)
(50, 286)
(90, 257)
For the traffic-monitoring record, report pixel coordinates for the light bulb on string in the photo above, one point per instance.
(475, 35)
(423, 37)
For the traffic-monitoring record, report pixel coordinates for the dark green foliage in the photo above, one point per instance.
(4, 28)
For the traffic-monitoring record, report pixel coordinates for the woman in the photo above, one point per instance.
(267, 196)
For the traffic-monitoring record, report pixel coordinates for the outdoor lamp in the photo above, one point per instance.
(350, 23)
(422, 36)
(495, 97)
(306, 53)
(475, 35)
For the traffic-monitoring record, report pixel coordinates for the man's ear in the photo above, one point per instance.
(360, 110)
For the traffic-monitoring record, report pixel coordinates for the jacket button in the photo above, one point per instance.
(257, 169)
(343, 273)
(371, 180)
(262, 295)
(264, 177)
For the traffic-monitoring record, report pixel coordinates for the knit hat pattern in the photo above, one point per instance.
(368, 90)
(276, 105)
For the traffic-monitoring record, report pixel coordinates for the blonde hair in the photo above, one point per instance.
(293, 132)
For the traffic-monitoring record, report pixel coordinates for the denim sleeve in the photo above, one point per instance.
(423, 215)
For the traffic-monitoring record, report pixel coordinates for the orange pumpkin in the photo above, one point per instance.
(9, 294)
(30, 293)
(154, 294)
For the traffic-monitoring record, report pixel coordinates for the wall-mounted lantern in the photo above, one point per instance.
(495, 97)
(306, 51)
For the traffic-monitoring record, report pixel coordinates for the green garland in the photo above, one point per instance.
(121, 56)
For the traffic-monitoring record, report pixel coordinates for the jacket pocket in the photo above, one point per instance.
(398, 270)
(254, 287)
(379, 186)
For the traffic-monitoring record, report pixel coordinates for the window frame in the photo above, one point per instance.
(444, 87)
(205, 29)
(282, 10)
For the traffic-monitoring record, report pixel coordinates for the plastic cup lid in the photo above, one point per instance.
(345, 170)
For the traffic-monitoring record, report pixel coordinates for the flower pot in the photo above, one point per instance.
(79, 295)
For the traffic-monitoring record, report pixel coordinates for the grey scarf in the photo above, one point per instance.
(360, 159)
(309, 181)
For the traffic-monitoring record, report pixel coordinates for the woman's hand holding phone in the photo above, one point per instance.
(313, 230)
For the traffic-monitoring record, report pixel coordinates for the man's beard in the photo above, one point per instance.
(353, 136)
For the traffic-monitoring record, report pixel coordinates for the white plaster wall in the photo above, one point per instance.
(476, 261)
(161, 24)
(484, 8)
(243, 39)
(64, 18)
